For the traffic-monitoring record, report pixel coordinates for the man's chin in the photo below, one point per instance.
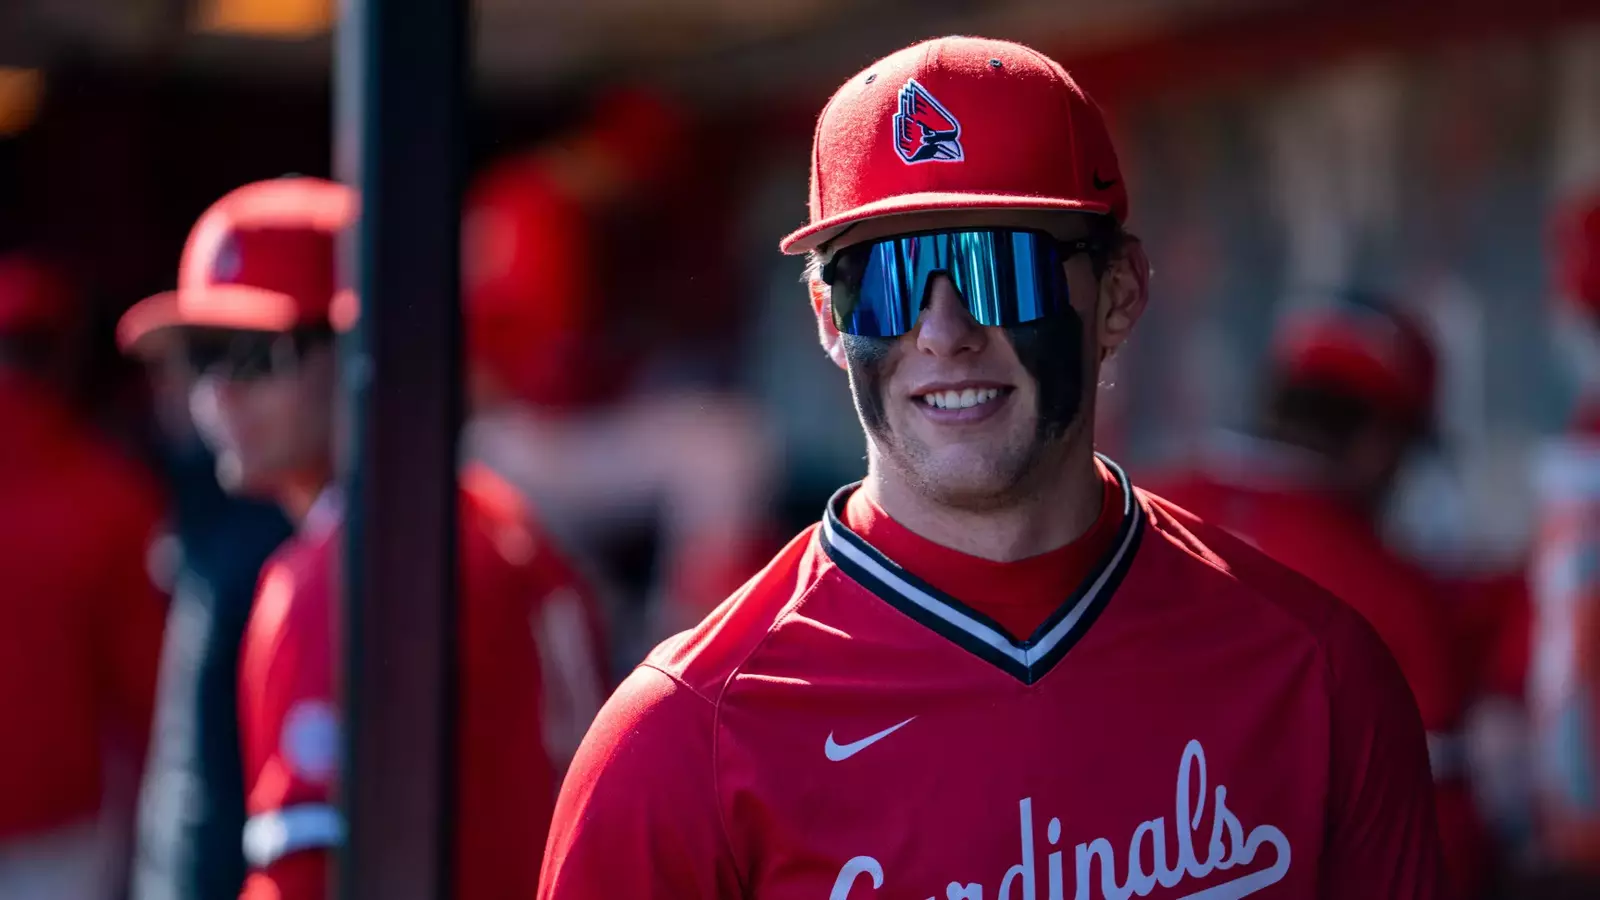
(977, 473)
(968, 483)
(243, 479)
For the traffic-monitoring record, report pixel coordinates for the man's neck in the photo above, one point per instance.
(299, 497)
(1061, 505)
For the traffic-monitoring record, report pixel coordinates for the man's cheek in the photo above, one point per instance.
(1052, 351)
(867, 359)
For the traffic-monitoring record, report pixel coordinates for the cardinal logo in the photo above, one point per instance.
(924, 131)
(225, 266)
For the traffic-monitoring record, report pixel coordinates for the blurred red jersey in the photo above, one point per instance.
(1494, 617)
(517, 590)
(1337, 547)
(80, 620)
(1192, 720)
(1564, 668)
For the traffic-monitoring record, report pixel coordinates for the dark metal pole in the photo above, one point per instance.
(398, 130)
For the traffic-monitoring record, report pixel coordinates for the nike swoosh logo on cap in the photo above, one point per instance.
(841, 752)
(1101, 185)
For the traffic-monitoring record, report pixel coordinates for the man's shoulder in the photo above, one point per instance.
(501, 532)
(287, 652)
(486, 497)
(1208, 562)
(494, 520)
(1189, 487)
(295, 589)
(705, 656)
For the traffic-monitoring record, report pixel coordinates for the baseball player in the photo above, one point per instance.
(558, 409)
(1564, 580)
(1351, 392)
(191, 802)
(257, 309)
(82, 621)
(995, 669)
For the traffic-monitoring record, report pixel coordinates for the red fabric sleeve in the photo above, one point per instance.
(638, 815)
(1494, 617)
(290, 735)
(568, 627)
(506, 784)
(297, 877)
(289, 724)
(1383, 837)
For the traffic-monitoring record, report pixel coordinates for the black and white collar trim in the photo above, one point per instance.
(1028, 660)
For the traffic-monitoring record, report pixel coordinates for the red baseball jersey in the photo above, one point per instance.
(1337, 547)
(517, 590)
(1564, 667)
(1494, 620)
(1192, 720)
(80, 620)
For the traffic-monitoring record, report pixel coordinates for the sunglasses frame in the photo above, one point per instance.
(286, 351)
(1067, 248)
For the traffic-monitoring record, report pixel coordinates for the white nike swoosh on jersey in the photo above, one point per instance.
(840, 752)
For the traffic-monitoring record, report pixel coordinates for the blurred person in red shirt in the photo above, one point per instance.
(1350, 395)
(191, 801)
(82, 620)
(1564, 578)
(257, 311)
(557, 408)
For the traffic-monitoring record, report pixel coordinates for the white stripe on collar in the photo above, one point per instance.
(1025, 655)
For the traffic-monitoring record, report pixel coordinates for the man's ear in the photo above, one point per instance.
(827, 333)
(1124, 291)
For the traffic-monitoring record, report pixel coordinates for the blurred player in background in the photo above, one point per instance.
(80, 619)
(984, 672)
(1350, 393)
(257, 311)
(191, 808)
(1564, 676)
(558, 407)
(525, 347)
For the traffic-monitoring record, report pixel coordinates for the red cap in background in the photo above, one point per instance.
(525, 249)
(529, 298)
(958, 123)
(1369, 347)
(642, 133)
(263, 258)
(535, 312)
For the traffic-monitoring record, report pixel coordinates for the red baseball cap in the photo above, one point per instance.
(525, 250)
(529, 298)
(958, 123)
(260, 259)
(1371, 348)
(1576, 236)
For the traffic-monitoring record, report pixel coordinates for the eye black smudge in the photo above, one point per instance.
(865, 356)
(1051, 349)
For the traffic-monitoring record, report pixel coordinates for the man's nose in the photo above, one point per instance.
(944, 326)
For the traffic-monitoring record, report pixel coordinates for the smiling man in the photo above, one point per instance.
(995, 669)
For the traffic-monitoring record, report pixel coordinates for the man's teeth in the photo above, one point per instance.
(960, 399)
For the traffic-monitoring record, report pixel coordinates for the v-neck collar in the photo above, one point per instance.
(1027, 660)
